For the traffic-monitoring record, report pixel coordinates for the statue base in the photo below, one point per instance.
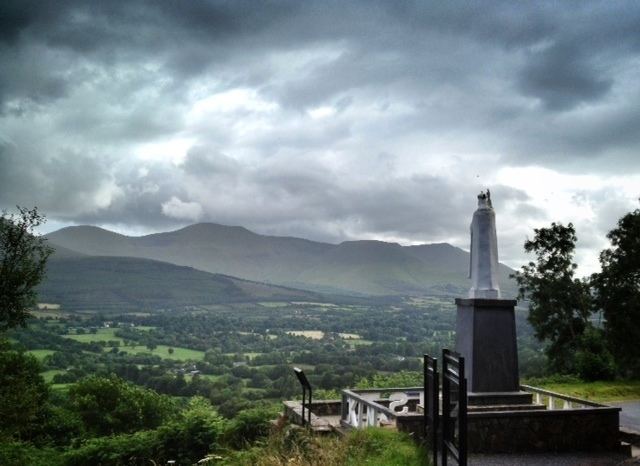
(486, 338)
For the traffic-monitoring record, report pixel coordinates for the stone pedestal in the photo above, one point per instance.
(486, 338)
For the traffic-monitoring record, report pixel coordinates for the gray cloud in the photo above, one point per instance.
(324, 119)
(561, 78)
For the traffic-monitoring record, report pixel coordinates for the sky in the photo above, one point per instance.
(328, 120)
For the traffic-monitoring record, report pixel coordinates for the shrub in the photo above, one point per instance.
(21, 454)
(249, 425)
(185, 440)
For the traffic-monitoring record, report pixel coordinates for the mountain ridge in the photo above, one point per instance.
(358, 267)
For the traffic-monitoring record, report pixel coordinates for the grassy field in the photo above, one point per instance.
(48, 375)
(103, 334)
(40, 354)
(598, 391)
(313, 334)
(357, 342)
(179, 354)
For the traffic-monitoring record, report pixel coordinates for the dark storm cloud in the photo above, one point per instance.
(561, 78)
(443, 90)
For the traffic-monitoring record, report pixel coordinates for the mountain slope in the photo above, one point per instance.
(353, 267)
(210, 247)
(132, 283)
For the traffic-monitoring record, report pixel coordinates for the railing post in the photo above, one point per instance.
(453, 374)
(304, 382)
(431, 404)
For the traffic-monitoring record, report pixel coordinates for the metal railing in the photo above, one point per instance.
(306, 387)
(431, 404)
(454, 408)
(552, 400)
(368, 408)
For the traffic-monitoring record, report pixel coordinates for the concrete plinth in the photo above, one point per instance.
(486, 338)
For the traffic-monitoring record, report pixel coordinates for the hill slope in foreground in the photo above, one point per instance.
(89, 282)
(351, 267)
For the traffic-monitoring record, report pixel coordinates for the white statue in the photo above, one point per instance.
(483, 267)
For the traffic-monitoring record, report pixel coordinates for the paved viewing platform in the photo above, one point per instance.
(517, 433)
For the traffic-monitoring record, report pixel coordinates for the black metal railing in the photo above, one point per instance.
(454, 408)
(431, 406)
(306, 387)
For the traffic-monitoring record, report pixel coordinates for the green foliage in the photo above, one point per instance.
(139, 448)
(380, 447)
(601, 391)
(593, 359)
(194, 434)
(399, 379)
(186, 440)
(559, 304)
(109, 405)
(14, 453)
(298, 447)
(618, 292)
(249, 426)
(23, 257)
(23, 394)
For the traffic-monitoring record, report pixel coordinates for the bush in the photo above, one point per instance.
(185, 440)
(593, 360)
(249, 426)
(21, 454)
(23, 395)
(399, 379)
(293, 446)
(118, 450)
(109, 405)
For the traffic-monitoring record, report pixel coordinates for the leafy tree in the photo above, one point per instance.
(109, 405)
(23, 395)
(185, 440)
(593, 359)
(618, 292)
(23, 256)
(559, 303)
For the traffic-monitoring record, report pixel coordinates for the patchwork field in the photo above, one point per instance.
(179, 354)
(102, 334)
(40, 354)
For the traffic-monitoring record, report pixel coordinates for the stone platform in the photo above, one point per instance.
(545, 422)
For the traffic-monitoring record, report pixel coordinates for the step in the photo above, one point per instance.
(509, 407)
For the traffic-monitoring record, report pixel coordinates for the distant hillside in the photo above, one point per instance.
(132, 283)
(352, 267)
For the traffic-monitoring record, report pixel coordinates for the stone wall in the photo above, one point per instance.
(586, 429)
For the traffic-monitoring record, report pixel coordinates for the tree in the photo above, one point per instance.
(617, 289)
(109, 405)
(23, 394)
(23, 257)
(559, 304)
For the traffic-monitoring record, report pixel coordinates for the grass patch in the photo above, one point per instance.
(179, 354)
(40, 354)
(595, 391)
(313, 334)
(48, 375)
(273, 304)
(297, 447)
(360, 342)
(102, 334)
(60, 387)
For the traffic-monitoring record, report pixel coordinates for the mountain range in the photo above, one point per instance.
(353, 267)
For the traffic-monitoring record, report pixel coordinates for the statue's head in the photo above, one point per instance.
(484, 200)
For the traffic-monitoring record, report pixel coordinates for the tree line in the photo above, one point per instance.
(564, 309)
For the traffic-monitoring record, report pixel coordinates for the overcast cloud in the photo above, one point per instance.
(325, 120)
